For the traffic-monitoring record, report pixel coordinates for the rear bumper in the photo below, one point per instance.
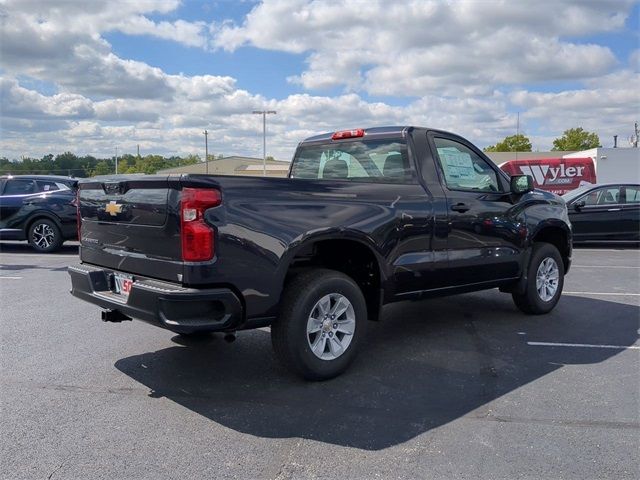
(164, 304)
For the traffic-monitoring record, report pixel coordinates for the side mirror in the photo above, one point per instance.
(521, 184)
(579, 205)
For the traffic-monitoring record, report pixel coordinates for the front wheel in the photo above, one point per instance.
(544, 281)
(45, 236)
(321, 322)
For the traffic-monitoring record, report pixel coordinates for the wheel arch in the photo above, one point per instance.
(354, 256)
(39, 215)
(557, 234)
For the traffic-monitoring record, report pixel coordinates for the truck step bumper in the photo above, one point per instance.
(164, 304)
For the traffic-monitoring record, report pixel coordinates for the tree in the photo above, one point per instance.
(512, 143)
(102, 168)
(66, 161)
(576, 139)
(189, 160)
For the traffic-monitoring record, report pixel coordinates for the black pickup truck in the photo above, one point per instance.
(365, 218)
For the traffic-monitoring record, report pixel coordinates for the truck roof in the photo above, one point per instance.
(389, 131)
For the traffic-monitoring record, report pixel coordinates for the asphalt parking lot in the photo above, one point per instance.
(460, 387)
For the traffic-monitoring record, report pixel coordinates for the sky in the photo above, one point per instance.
(90, 76)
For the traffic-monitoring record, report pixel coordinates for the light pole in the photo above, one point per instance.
(116, 160)
(206, 151)
(264, 114)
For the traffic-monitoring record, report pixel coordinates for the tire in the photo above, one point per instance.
(45, 236)
(546, 270)
(319, 349)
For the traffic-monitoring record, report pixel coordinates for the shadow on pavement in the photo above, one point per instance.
(427, 364)
(68, 248)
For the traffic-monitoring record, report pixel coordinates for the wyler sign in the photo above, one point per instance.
(557, 175)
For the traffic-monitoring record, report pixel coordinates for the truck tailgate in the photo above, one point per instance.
(131, 223)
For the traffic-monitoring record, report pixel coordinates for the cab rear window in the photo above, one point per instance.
(383, 161)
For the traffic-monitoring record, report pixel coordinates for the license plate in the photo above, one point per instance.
(122, 284)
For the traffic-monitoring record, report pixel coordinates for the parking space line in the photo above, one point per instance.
(10, 278)
(603, 266)
(583, 345)
(619, 294)
(578, 249)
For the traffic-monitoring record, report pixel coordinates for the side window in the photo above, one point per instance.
(603, 196)
(591, 198)
(19, 187)
(609, 196)
(633, 194)
(47, 186)
(463, 169)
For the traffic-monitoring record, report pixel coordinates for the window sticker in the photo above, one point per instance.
(457, 165)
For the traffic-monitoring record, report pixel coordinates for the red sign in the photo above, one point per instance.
(557, 175)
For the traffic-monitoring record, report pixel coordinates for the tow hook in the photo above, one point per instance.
(114, 316)
(230, 337)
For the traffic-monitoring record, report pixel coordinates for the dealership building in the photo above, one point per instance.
(235, 165)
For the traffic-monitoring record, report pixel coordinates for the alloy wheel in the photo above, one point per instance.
(43, 235)
(547, 279)
(330, 326)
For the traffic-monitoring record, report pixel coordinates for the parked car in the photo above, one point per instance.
(38, 208)
(605, 213)
(366, 218)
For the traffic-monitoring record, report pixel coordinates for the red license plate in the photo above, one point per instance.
(122, 284)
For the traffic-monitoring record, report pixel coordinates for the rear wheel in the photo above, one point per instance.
(544, 283)
(45, 236)
(321, 323)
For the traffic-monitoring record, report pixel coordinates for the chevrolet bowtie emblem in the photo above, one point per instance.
(113, 208)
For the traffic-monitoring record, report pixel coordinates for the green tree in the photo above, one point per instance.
(66, 160)
(102, 168)
(190, 160)
(576, 139)
(512, 143)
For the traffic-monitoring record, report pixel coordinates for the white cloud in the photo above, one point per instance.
(61, 42)
(608, 106)
(21, 103)
(191, 34)
(464, 66)
(420, 47)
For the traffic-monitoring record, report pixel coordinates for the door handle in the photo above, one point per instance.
(460, 207)
(614, 209)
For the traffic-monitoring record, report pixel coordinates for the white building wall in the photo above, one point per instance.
(613, 165)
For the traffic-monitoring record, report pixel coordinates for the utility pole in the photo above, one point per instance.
(517, 133)
(206, 151)
(116, 160)
(264, 114)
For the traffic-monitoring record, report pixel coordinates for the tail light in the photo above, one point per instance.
(198, 239)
